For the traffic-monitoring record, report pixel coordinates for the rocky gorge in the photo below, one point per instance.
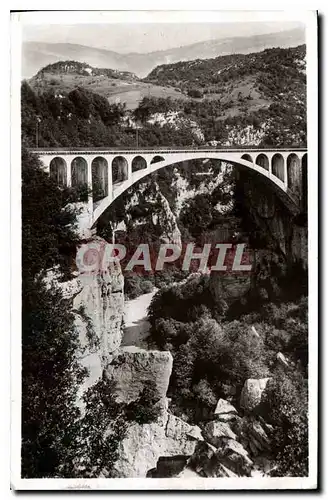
(226, 446)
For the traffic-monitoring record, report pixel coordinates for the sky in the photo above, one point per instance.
(147, 37)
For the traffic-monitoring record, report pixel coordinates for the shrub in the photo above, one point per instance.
(285, 403)
(143, 410)
(146, 286)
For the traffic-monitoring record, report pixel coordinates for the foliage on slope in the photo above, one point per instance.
(50, 372)
(213, 356)
(82, 118)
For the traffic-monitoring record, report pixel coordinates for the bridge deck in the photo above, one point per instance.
(126, 150)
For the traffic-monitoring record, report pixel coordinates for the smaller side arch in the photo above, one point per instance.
(294, 173)
(247, 157)
(119, 169)
(277, 166)
(79, 171)
(263, 161)
(138, 163)
(156, 159)
(99, 168)
(58, 171)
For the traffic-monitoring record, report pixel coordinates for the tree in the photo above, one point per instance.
(47, 235)
(50, 379)
(50, 370)
(196, 214)
(100, 431)
(285, 401)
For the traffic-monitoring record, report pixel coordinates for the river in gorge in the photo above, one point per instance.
(136, 331)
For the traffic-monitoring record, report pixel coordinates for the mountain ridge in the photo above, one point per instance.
(36, 55)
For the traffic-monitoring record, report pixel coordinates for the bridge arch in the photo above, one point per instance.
(79, 168)
(277, 166)
(119, 169)
(157, 159)
(293, 173)
(263, 161)
(58, 171)
(171, 158)
(138, 163)
(99, 169)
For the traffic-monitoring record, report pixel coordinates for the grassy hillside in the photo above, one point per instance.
(257, 79)
(117, 86)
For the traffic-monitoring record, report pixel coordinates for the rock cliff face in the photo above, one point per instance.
(146, 206)
(98, 304)
(287, 231)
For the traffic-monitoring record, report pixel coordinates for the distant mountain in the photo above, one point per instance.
(36, 55)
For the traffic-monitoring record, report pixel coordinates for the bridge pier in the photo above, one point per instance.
(285, 173)
(110, 179)
(129, 170)
(69, 173)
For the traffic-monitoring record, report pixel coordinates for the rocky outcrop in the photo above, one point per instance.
(132, 371)
(158, 214)
(227, 459)
(143, 445)
(98, 305)
(288, 236)
(251, 393)
(100, 300)
(233, 448)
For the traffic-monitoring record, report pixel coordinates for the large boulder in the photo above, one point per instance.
(233, 455)
(282, 360)
(143, 445)
(132, 371)
(214, 430)
(251, 393)
(203, 453)
(225, 411)
(205, 462)
(258, 435)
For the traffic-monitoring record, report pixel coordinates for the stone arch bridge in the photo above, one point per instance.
(110, 172)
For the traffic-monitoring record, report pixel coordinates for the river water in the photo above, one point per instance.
(136, 331)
